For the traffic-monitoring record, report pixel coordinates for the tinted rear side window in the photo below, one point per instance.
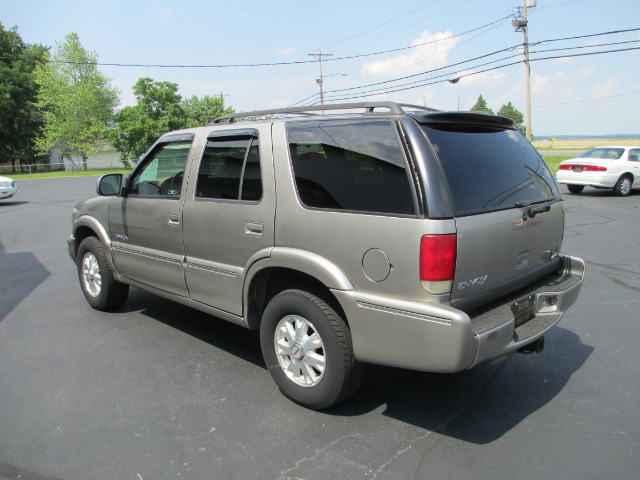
(490, 169)
(350, 165)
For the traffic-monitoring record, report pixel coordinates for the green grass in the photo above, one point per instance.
(553, 161)
(64, 173)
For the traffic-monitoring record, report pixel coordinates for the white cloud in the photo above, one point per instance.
(610, 87)
(430, 51)
(286, 51)
(167, 15)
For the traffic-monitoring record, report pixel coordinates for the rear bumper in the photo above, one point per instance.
(439, 338)
(594, 179)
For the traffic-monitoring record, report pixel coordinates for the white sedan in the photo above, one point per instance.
(615, 167)
(8, 187)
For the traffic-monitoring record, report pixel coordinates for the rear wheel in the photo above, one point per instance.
(307, 348)
(102, 291)
(575, 188)
(623, 186)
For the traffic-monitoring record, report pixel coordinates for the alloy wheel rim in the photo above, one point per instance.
(300, 351)
(625, 185)
(91, 274)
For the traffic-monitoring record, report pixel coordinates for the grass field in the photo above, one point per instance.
(583, 143)
(64, 173)
(552, 161)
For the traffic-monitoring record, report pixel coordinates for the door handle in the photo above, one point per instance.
(254, 229)
(174, 219)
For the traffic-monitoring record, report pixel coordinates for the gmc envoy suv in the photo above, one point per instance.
(346, 234)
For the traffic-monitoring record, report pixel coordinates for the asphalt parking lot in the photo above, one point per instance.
(159, 391)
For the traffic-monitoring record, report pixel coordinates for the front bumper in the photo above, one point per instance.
(439, 338)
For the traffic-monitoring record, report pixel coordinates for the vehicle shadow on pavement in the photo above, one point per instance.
(478, 405)
(21, 272)
(234, 339)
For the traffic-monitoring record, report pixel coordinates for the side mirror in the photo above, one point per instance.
(110, 185)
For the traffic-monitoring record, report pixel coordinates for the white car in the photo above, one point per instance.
(616, 167)
(8, 187)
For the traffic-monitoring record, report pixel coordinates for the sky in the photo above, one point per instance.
(366, 48)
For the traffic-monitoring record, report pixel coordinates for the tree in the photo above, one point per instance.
(78, 101)
(514, 114)
(20, 119)
(201, 111)
(158, 111)
(481, 106)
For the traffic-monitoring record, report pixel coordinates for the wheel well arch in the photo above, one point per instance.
(268, 282)
(80, 234)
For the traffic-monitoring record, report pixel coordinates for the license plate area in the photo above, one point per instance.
(578, 169)
(523, 310)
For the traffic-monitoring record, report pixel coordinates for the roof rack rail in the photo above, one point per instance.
(370, 107)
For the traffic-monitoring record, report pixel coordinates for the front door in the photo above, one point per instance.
(146, 225)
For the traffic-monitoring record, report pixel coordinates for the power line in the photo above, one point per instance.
(272, 64)
(386, 82)
(433, 81)
(589, 100)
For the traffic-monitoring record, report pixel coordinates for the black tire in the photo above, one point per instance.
(575, 188)
(623, 186)
(101, 290)
(331, 381)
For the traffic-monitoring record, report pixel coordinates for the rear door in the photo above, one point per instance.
(507, 207)
(229, 214)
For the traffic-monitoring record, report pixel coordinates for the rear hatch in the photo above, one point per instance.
(506, 204)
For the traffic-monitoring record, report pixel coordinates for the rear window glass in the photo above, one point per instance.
(490, 169)
(348, 165)
(607, 153)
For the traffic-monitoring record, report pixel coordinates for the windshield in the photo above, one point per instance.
(606, 153)
(490, 168)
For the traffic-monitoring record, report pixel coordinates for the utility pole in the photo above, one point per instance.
(319, 80)
(521, 23)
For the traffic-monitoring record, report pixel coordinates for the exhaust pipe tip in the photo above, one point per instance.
(533, 347)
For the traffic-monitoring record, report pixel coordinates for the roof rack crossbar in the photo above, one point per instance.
(370, 107)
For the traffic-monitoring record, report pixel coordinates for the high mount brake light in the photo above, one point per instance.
(437, 262)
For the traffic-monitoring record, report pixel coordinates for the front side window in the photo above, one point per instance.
(162, 171)
(230, 169)
(351, 165)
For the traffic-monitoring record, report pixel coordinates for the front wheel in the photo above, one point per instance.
(575, 188)
(623, 186)
(307, 348)
(102, 291)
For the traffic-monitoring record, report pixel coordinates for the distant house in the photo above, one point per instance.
(107, 157)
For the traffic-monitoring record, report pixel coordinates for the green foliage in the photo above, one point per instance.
(201, 111)
(77, 100)
(158, 111)
(514, 114)
(481, 106)
(20, 118)
(507, 110)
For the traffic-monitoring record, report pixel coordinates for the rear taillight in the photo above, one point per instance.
(583, 168)
(437, 263)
